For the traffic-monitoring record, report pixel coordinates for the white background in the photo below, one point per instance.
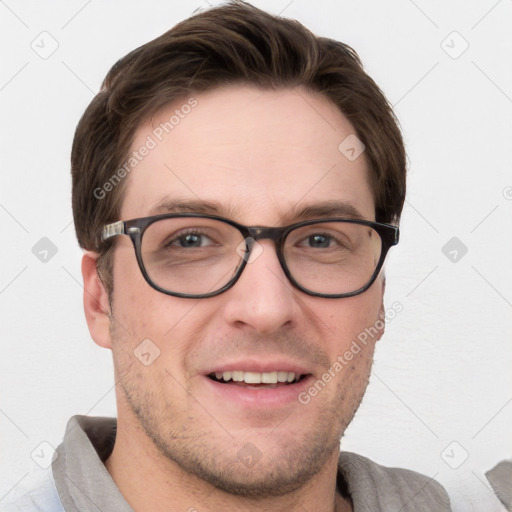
(442, 371)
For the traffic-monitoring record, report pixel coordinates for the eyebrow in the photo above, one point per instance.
(324, 209)
(168, 205)
(298, 213)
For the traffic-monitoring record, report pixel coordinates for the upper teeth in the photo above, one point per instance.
(256, 377)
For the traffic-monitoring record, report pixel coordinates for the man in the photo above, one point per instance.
(237, 183)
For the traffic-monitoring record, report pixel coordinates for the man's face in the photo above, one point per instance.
(259, 156)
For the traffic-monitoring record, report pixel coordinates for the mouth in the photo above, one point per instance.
(258, 380)
(267, 385)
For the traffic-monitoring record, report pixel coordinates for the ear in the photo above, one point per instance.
(96, 305)
(382, 312)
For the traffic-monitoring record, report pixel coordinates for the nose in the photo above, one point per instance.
(262, 299)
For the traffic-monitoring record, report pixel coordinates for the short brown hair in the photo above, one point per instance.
(234, 43)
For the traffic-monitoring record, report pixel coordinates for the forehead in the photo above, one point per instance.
(258, 155)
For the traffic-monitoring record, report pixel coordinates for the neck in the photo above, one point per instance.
(151, 482)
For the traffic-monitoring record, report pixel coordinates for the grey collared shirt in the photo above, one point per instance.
(81, 482)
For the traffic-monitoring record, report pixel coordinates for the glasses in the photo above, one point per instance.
(197, 256)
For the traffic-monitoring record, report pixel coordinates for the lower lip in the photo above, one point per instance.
(259, 396)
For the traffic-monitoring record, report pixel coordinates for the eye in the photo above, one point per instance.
(320, 241)
(191, 239)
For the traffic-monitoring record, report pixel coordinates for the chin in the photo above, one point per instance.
(253, 473)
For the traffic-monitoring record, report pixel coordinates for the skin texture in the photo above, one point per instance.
(259, 155)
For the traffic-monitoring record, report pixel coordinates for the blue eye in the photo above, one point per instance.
(190, 240)
(320, 241)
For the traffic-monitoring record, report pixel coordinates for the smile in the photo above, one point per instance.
(257, 379)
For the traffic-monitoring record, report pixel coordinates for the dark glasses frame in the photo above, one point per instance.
(135, 229)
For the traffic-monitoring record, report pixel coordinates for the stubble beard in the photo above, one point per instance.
(287, 463)
(207, 453)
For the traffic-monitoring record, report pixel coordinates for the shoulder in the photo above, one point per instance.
(39, 494)
(388, 488)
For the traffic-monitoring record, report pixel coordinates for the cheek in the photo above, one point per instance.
(151, 326)
(136, 304)
(138, 326)
(355, 318)
(129, 283)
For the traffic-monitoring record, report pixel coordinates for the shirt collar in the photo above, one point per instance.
(83, 482)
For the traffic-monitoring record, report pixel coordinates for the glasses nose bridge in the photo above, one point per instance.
(275, 234)
(267, 233)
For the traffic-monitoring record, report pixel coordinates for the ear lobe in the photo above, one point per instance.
(96, 304)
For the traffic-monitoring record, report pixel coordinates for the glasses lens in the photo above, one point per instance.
(333, 257)
(191, 255)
